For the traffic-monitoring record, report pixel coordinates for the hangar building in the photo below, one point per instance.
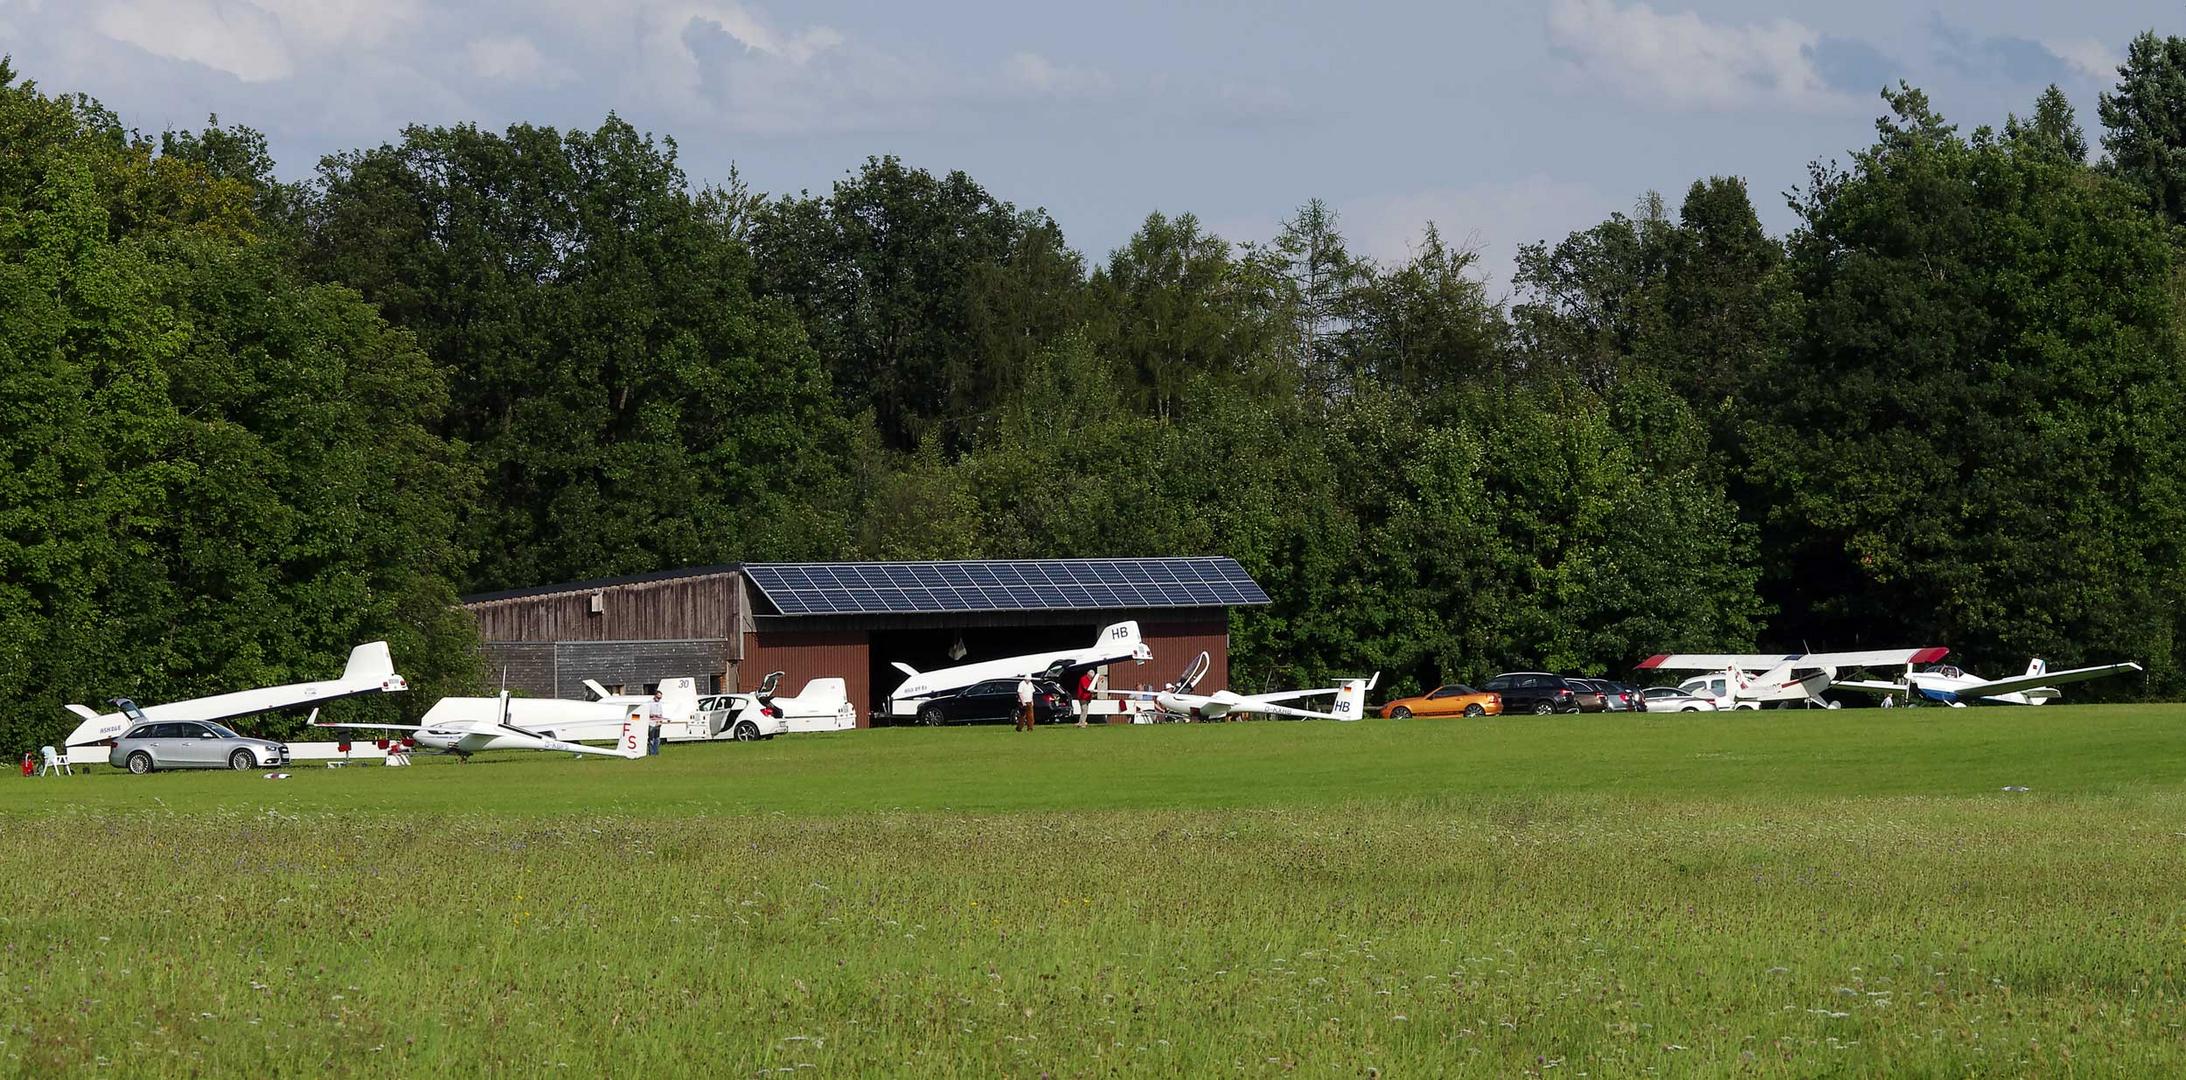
(730, 625)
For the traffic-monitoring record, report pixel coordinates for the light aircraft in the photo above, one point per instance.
(369, 671)
(1950, 685)
(1113, 644)
(1749, 680)
(1179, 701)
(454, 726)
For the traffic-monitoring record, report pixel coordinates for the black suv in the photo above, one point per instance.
(995, 699)
(1543, 693)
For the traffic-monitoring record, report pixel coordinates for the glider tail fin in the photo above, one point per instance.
(369, 661)
(632, 743)
(2037, 667)
(1122, 639)
(1351, 697)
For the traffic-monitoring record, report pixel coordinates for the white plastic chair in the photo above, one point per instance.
(54, 762)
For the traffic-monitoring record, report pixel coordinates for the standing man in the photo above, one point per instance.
(1082, 701)
(1024, 703)
(654, 714)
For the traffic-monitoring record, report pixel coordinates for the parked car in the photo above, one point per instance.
(738, 717)
(1541, 692)
(995, 699)
(1715, 688)
(1453, 699)
(1616, 697)
(1672, 699)
(192, 744)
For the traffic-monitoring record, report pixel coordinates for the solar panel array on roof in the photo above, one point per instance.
(1012, 585)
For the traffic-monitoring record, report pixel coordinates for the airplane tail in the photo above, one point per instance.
(2037, 667)
(1123, 639)
(370, 662)
(632, 743)
(1351, 697)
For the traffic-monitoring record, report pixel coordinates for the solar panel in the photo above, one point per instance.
(1003, 585)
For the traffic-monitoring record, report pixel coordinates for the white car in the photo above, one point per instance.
(1716, 688)
(1674, 699)
(740, 717)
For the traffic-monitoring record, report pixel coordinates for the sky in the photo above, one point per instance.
(1503, 123)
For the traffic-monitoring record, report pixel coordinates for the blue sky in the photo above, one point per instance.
(1502, 122)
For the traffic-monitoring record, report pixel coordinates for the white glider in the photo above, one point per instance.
(369, 671)
(455, 726)
(1179, 701)
(1114, 644)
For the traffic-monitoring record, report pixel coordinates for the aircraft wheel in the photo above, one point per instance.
(1543, 708)
(930, 716)
(746, 732)
(140, 763)
(242, 761)
(1475, 710)
(1400, 713)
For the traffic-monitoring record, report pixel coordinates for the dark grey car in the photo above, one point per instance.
(192, 744)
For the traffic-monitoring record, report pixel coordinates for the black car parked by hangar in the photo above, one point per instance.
(1543, 693)
(993, 700)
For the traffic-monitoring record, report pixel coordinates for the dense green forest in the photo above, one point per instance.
(249, 423)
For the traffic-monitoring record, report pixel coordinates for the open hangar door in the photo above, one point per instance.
(929, 649)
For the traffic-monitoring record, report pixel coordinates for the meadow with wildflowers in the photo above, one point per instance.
(1796, 893)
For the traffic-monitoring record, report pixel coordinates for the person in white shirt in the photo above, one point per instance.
(654, 716)
(1024, 704)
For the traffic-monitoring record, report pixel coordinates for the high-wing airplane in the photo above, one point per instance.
(369, 671)
(456, 726)
(1748, 680)
(1178, 700)
(1114, 643)
(1950, 685)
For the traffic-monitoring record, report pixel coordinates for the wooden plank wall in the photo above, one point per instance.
(1174, 644)
(801, 655)
(559, 669)
(678, 609)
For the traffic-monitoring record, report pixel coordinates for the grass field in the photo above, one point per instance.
(1797, 893)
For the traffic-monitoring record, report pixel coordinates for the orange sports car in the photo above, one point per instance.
(1456, 699)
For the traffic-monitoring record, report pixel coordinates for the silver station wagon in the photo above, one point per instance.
(192, 744)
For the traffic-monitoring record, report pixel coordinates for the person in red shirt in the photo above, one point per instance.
(1082, 701)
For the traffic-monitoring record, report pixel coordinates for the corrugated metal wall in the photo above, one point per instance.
(678, 609)
(801, 655)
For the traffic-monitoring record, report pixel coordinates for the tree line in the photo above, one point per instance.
(250, 422)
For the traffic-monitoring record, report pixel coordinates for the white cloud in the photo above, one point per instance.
(1490, 219)
(1683, 60)
(241, 39)
(1030, 71)
(253, 40)
(2087, 56)
(510, 59)
(326, 23)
